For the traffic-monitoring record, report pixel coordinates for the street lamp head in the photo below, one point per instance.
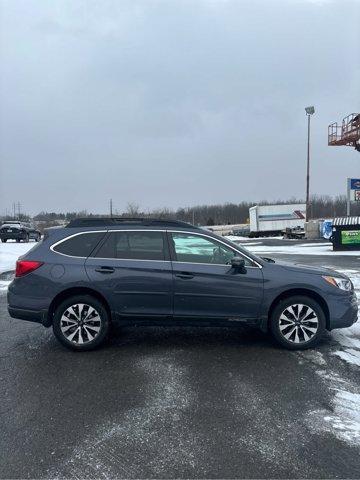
(310, 110)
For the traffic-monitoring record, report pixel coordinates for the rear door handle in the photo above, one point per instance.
(105, 270)
(185, 275)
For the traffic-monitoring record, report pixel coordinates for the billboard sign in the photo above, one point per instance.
(350, 237)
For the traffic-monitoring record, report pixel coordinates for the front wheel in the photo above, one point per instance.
(4, 240)
(297, 322)
(81, 323)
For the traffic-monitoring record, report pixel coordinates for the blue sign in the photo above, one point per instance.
(354, 183)
(326, 229)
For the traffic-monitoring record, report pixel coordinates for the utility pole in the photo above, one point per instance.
(309, 111)
(348, 197)
(111, 208)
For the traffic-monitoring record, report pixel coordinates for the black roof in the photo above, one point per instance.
(112, 221)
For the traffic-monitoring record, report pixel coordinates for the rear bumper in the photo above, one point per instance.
(12, 236)
(37, 316)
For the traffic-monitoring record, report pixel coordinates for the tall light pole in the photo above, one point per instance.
(309, 111)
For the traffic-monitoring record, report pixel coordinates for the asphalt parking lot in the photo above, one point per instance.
(173, 403)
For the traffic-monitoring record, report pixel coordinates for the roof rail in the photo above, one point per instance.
(111, 221)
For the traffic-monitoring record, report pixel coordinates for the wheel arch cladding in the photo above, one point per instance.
(305, 292)
(71, 292)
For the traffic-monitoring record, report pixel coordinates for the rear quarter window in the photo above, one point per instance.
(80, 245)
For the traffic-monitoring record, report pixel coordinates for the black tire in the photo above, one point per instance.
(4, 240)
(104, 325)
(26, 239)
(37, 238)
(18, 240)
(280, 317)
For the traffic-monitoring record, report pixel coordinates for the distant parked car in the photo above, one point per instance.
(19, 231)
(241, 232)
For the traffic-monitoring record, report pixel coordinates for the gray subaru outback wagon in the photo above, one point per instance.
(95, 271)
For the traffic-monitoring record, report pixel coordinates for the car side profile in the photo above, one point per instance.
(82, 277)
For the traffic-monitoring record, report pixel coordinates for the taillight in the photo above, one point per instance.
(23, 267)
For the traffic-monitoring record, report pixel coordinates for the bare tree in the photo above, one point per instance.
(133, 209)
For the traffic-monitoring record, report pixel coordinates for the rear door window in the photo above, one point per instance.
(136, 245)
(80, 245)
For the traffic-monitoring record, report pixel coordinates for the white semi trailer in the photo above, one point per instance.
(268, 220)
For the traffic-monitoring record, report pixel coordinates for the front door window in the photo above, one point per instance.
(197, 249)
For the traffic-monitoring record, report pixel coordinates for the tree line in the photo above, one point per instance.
(322, 206)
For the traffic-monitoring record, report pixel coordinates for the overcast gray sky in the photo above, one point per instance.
(174, 102)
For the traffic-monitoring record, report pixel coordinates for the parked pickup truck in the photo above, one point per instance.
(14, 230)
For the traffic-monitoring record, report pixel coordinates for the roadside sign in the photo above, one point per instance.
(353, 193)
(354, 183)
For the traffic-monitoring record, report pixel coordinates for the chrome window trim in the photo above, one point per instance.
(68, 238)
(258, 265)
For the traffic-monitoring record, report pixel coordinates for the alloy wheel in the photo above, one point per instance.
(298, 323)
(80, 323)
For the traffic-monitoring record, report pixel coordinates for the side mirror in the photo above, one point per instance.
(238, 263)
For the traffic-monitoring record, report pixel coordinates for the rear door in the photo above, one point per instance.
(205, 284)
(133, 269)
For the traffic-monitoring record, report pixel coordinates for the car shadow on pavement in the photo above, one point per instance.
(187, 337)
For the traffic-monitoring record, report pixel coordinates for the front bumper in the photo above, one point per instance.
(343, 311)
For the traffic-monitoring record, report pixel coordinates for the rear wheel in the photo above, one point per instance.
(297, 322)
(4, 240)
(81, 323)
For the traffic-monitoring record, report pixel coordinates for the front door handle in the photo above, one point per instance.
(185, 275)
(105, 270)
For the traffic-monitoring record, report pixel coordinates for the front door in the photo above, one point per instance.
(205, 284)
(132, 269)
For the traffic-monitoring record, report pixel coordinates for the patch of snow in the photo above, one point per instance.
(345, 420)
(349, 355)
(349, 338)
(10, 252)
(313, 356)
(4, 285)
(246, 244)
(235, 238)
(302, 249)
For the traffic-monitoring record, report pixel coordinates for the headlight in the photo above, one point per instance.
(342, 283)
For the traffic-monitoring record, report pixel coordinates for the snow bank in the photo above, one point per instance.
(300, 249)
(10, 252)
